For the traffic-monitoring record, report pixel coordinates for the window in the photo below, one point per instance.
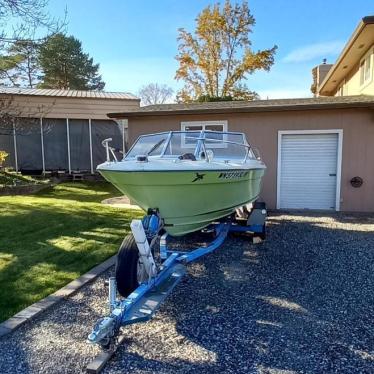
(366, 69)
(220, 126)
(205, 125)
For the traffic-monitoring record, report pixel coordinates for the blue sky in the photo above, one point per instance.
(135, 41)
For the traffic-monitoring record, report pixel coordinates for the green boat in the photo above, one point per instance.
(191, 178)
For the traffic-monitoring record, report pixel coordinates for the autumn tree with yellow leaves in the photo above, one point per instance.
(217, 58)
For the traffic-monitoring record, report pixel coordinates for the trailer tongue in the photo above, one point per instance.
(143, 284)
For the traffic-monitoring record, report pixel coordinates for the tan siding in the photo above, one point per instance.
(262, 131)
(67, 107)
(352, 81)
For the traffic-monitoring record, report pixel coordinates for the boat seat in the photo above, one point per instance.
(187, 156)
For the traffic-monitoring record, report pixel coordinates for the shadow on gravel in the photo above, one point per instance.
(302, 301)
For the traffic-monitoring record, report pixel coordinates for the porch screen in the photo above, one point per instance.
(29, 145)
(79, 145)
(104, 129)
(55, 144)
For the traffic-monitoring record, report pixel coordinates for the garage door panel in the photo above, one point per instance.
(308, 171)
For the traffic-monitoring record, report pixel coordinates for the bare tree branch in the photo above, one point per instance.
(154, 93)
(28, 18)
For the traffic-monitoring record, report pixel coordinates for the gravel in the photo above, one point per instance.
(301, 302)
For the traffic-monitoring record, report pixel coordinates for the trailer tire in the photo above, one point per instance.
(127, 266)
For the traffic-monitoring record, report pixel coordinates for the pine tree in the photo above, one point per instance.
(66, 66)
(20, 66)
(8, 65)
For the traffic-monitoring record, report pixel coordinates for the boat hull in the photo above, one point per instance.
(188, 200)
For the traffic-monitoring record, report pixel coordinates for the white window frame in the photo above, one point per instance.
(339, 132)
(204, 124)
(362, 66)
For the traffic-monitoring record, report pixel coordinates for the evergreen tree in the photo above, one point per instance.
(8, 64)
(19, 66)
(66, 66)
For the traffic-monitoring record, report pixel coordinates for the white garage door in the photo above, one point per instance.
(308, 171)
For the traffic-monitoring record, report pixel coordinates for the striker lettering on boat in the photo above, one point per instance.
(233, 174)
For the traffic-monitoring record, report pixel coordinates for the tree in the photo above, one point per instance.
(23, 19)
(214, 61)
(20, 22)
(7, 65)
(154, 93)
(20, 66)
(66, 66)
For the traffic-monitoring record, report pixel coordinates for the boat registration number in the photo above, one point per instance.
(233, 174)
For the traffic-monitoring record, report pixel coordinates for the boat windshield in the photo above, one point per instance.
(209, 145)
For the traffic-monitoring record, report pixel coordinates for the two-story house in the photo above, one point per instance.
(353, 72)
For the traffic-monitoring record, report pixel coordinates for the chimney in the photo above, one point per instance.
(319, 73)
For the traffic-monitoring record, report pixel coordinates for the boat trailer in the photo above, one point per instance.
(158, 280)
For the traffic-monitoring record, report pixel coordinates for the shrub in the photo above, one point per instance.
(3, 156)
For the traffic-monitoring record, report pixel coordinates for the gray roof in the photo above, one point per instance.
(250, 106)
(67, 93)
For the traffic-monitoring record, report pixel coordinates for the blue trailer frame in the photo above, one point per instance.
(143, 302)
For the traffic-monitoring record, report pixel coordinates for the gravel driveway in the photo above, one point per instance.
(302, 302)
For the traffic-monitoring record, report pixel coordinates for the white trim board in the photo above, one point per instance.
(339, 132)
(91, 155)
(68, 142)
(42, 143)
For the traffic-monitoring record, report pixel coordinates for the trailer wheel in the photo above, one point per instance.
(129, 269)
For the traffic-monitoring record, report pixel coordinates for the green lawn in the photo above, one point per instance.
(49, 239)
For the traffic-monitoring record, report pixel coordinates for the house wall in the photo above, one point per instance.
(68, 107)
(351, 83)
(262, 132)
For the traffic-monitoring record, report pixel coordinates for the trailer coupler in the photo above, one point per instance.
(140, 305)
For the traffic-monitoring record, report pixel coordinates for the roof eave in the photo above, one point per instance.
(365, 21)
(316, 106)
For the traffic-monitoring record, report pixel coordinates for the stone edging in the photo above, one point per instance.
(35, 309)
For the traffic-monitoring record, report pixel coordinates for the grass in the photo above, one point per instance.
(51, 238)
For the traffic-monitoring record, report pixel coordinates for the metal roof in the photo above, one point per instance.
(67, 93)
(250, 106)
